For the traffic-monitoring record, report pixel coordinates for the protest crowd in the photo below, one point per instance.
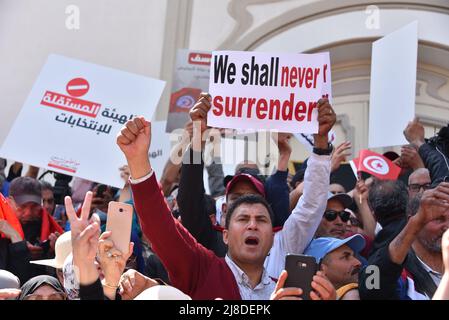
(384, 239)
(99, 202)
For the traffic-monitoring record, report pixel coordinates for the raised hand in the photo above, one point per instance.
(200, 109)
(361, 191)
(85, 233)
(414, 133)
(410, 158)
(340, 154)
(283, 142)
(434, 204)
(134, 140)
(112, 260)
(326, 117)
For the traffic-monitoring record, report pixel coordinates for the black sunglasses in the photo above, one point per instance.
(331, 215)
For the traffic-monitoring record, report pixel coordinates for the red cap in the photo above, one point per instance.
(249, 178)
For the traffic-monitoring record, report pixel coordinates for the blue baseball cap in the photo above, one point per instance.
(320, 247)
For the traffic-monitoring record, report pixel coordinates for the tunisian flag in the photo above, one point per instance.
(376, 165)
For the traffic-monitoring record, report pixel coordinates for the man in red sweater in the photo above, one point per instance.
(248, 234)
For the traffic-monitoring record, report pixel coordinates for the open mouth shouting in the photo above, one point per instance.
(252, 241)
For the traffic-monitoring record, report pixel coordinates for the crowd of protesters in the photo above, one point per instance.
(384, 239)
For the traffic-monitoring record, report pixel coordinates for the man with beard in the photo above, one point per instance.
(418, 182)
(407, 251)
(338, 260)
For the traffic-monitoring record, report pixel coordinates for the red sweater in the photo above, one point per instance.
(192, 268)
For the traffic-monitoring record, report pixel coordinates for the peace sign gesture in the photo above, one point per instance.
(85, 234)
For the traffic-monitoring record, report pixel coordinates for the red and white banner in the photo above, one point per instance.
(376, 165)
(266, 91)
(72, 115)
(191, 77)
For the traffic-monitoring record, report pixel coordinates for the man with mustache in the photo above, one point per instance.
(335, 218)
(407, 251)
(338, 260)
(248, 232)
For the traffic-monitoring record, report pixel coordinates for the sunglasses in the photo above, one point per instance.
(331, 215)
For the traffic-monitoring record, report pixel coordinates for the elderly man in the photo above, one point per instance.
(338, 260)
(407, 251)
(418, 182)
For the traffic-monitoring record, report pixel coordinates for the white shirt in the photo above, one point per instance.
(262, 291)
(301, 225)
(435, 275)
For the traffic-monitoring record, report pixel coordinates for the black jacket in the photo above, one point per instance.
(15, 258)
(436, 161)
(390, 285)
(191, 201)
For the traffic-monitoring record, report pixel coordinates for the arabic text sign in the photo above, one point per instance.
(72, 115)
(268, 91)
(191, 76)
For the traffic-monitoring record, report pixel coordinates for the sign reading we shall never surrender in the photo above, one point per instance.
(264, 91)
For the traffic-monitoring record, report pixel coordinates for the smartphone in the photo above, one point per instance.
(119, 221)
(300, 269)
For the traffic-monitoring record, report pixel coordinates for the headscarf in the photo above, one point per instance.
(34, 283)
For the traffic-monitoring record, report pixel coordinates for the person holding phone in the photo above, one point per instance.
(338, 260)
(92, 252)
(38, 230)
(248, 229)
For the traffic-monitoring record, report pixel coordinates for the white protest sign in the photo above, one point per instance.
(268, 91)
(72, 115)
(393, 86)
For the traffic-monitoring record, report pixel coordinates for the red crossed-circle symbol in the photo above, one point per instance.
(77, 87)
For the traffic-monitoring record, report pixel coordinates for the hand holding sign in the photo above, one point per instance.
(134, 140)
(200, 109)
(410, 158)
(268, 91)
(414, 133)
(326, 120)
(326, 117)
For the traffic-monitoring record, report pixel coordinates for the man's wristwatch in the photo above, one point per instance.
(324, 152)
